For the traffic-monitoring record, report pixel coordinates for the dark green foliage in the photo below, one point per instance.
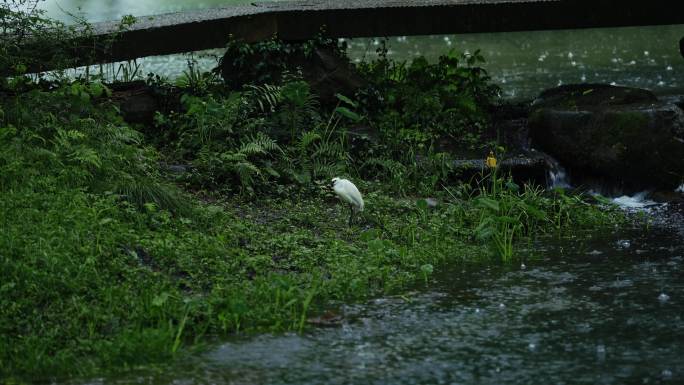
(448, 98)
(244, 141)
(420, 111)
(67, 135)
(269, 61)
(32, 43)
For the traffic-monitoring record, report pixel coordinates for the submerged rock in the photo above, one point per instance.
(623, 135)
(528, 166)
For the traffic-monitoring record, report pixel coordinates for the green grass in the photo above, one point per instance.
(89, 282)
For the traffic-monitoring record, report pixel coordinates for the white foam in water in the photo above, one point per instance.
(637, 201)
(680, 189)
(558, 178)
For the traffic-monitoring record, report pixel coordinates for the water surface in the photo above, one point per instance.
(522, 63)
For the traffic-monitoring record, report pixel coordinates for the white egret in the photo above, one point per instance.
(348, 193)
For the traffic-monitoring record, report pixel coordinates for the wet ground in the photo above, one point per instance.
(591, 309)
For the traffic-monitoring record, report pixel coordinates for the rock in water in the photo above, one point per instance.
(623, 135)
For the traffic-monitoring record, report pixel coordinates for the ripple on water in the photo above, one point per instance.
(583, 321)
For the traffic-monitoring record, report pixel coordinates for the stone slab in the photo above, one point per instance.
(300, 20)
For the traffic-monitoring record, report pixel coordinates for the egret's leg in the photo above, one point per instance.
(351, 214)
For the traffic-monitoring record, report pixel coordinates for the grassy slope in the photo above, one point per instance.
(88, 283)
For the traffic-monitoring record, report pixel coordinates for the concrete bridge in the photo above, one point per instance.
(300, 20)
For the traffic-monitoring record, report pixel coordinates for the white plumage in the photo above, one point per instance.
(348, 193)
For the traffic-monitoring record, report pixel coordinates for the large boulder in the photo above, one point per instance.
(138, 102)
(623, 135)
(326, 68)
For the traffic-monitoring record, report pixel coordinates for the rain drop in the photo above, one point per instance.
(666, 374)
(501, 306)
(663, 297)
(532, 346)
(624, 243)
(601, 352)
(522, 266)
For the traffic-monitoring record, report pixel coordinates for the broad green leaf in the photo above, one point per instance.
(347, 113)
(345, 99)
(488, 203)
(160, 299)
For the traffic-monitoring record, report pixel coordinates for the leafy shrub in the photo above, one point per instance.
(268, 61)
(77, 138)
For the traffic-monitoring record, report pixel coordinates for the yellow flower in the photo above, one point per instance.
(491, 160)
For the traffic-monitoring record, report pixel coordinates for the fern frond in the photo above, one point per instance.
(233, 156)
(307, 138)
(139, 191)
(86, 156)
(259, 144)
(327, 169)
(266, 96)
(385, 166)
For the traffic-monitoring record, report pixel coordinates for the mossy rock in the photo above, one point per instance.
(322, 64)
(623, 135)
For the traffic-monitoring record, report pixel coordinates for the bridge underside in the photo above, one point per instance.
(301, 20)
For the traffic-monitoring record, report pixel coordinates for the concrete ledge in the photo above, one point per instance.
(301, 20)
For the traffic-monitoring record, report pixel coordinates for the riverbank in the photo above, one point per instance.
(128, 244)
(91, 286)
(581, 310)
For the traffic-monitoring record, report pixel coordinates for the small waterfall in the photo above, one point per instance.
(637, 201)
(558, 177)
